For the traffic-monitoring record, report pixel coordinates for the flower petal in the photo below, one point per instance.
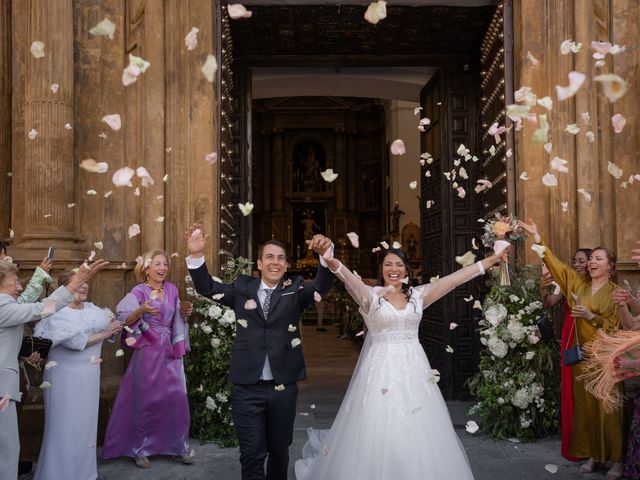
(576, 79)
(328, 175)
(539, 249)
(614, 170)
(134, 230)
(585, 194)
(559, 164)
(614, 86)
(246, 208)
(37, 49)
(210, 67)
(114, 121)
(191, 40)
(353, 238)
(90, 165)
(237, 10)
(123, 176)
(468, 258)
(398, 148)
(618, 121)
(211, 158)
(549, 180)
(376, 11)
(106, 28)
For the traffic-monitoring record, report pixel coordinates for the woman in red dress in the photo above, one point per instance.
(580, 259)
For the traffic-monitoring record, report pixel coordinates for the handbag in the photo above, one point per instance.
(573, 355)
(545, 326)
(31, 344)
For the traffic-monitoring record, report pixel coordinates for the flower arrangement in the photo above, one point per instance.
(518, 382)
(212, 334)
(502, 228)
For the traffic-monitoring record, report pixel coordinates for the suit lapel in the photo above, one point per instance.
(253, 287)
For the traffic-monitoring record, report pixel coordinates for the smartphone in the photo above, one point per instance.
(51, 252)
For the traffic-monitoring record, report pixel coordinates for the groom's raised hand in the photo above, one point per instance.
(319, 244)
(196, 240)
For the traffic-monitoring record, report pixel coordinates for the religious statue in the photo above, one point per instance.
(311, 171)
(309, 225)
(395, 220)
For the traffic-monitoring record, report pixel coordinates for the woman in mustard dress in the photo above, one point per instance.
(597, 436)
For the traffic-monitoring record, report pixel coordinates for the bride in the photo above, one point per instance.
(393, 422)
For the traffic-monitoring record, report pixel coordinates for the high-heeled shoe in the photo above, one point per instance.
(143, 462)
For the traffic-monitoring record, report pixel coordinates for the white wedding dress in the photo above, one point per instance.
(393, 423)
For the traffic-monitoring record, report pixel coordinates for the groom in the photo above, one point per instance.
(266, 361)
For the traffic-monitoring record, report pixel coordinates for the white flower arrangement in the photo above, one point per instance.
(517, 383)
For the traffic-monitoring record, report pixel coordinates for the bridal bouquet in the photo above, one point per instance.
(517, 385)
(212, 333)
(502, 229)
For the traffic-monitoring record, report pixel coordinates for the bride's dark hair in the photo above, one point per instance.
(406, 287)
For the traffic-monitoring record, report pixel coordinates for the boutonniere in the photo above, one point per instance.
(286, 283)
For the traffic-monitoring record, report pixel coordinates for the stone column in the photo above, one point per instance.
(45, 168)
(5, 117)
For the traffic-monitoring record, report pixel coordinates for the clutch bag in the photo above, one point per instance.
(32, 344)
(572, 355)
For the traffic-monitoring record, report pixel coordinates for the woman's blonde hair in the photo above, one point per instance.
(7, 268)
(141, 268)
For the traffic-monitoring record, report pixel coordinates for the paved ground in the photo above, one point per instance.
(330, 363)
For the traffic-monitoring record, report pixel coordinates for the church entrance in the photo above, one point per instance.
(313, 97)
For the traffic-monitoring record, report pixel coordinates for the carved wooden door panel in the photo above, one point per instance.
(449, 222)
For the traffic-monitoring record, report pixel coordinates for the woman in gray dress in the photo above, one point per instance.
(71, 402)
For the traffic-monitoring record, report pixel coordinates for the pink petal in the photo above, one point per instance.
(317, 297)
(211, 158)
(130, 341)
(550, 180)
(123, 176)
(191, 40)
(353, 238)
(147, 181)
(130, 75)
(237, 11)
(601, 47)
(134, 230)
(55, 87)
(384, 391)
(618, 122)
(576, 79)
(398, 148)
(4, 402)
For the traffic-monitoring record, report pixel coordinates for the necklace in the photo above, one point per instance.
(154, 291)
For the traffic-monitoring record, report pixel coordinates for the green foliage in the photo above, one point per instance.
(212, 333)
(518, 381)
(349, 310)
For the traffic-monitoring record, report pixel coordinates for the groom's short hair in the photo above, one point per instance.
(277, 243)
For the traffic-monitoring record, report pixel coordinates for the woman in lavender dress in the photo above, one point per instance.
(71, 403)
(151, 412)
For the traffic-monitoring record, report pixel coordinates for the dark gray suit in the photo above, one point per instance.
(264, 411)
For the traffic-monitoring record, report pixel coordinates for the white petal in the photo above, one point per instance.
(461, 192)
(108, 194)
(139, 62)
(159, 219)
(467, 259)
(246, 208)
(614, 170)
(142, 173)
(91, 192)
(614, 86)
(546, 102)
(385, 245)
(564, 206)
(33, 133)
(376, 11)
(295, 342)
(576, 79)
(55, 87)
(90, 165)
(398, 148)
(237, 11)
(353, 238)
(211, 158)
(532, 60)
(590, 136)
(106, 28)
(471, 427)
(453, 326)
(396, 245)
(134, 230)
(416, 110)
(462, 150)
(37, 49)
(539, 249)
(429, 203)
(44, 385)
(572, 128)
(541, 135)
(243, 323)
(463, 173)
(191, 40)
(328, 175)
(585, 194)
(550, 180)
(50, 364)
(477, 305)
(123, 176)
(413, 185)
(524, 176)
(98, 245)
(165, 178)
(449, 349)
(551, 468)
(618, 121)
(559, 164)
(210, 68)
(119, 353)
(114, 121)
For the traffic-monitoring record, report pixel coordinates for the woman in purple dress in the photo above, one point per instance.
(151, 412)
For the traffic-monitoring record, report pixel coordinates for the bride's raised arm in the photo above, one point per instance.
(358, 290)
(434, 291)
